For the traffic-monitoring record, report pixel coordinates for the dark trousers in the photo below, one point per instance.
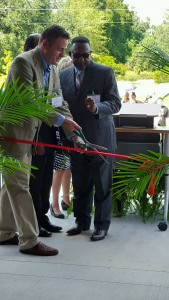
(40, 184)
(92, 180)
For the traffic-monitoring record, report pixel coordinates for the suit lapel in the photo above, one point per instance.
(51, 79)
(71, 80)
(37, 60)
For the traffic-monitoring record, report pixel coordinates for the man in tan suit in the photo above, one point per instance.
(16, 207)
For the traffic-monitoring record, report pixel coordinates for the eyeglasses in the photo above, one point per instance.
(79, 55)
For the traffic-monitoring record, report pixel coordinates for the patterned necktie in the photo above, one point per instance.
(78, 82)
(46, 76)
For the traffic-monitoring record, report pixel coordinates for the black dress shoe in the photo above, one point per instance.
(44, 233)
(76, 230)
(12, 241)
(64, 205)
(50, 227)
(59, 216)
(98, 234)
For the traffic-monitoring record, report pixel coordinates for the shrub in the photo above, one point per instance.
(109, 61)
(146, 75)
(160, 77)
(131, 76)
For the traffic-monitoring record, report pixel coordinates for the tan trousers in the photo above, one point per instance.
(17, 212)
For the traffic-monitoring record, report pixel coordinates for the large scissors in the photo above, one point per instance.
(87, 144)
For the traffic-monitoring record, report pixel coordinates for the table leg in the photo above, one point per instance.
(166, 152)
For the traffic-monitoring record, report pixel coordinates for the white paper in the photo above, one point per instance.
(95, 97)
(57, 101)
(140, 109)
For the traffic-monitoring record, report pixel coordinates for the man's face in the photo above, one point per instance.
(53, 51)
(80, 55)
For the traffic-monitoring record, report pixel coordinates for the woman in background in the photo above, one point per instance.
(61, 173)
(126, 98)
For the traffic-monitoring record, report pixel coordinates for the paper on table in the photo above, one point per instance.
(140, 109)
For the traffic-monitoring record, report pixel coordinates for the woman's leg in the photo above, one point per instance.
(66, 178)
(56, 185)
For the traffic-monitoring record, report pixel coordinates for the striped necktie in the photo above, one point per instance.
(78, 82)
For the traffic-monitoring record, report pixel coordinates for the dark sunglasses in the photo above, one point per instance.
(79, 55)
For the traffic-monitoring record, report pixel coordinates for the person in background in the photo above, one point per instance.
(31, 41)
(126, 98)
(91, 92)
(18, 221)
(134, 98)
(62, 173)
(160, 101)
(150, 99)
(163, 115)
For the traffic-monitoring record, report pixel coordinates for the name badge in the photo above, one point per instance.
(57, 101)
(95, 97)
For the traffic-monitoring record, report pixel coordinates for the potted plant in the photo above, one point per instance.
(140, 178)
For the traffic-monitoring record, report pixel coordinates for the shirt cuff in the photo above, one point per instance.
(97, 110)
(60, 120)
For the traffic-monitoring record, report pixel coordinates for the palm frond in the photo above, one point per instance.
(158, 58)
(9, 165)
(18, 104)
(142, 172)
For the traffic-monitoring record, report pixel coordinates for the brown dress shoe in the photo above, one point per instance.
(13, 241)
(41, 249)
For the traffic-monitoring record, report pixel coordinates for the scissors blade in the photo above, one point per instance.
(98, 147)
(92, 146)
(101, 156)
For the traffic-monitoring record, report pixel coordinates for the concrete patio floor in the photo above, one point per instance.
(132, 263)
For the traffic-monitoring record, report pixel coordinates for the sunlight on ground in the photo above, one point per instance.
(143, 88)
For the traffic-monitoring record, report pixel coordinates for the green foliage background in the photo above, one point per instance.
(115, 31)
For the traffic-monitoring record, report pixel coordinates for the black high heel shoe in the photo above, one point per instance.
(64, 205)
(59, 216)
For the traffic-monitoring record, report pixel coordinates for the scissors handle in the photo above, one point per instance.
(88, 144)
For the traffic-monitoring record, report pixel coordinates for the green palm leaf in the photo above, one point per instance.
(142, 172)
(18, 104)
(9, 165)
(158, 58)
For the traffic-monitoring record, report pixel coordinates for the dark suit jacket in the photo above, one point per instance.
(98, 79)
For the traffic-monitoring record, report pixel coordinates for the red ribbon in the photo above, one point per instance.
(151, 189)
(12, 140)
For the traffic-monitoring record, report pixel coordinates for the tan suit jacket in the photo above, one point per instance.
(29, 68)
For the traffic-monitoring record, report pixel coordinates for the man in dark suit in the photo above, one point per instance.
(91, 92)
